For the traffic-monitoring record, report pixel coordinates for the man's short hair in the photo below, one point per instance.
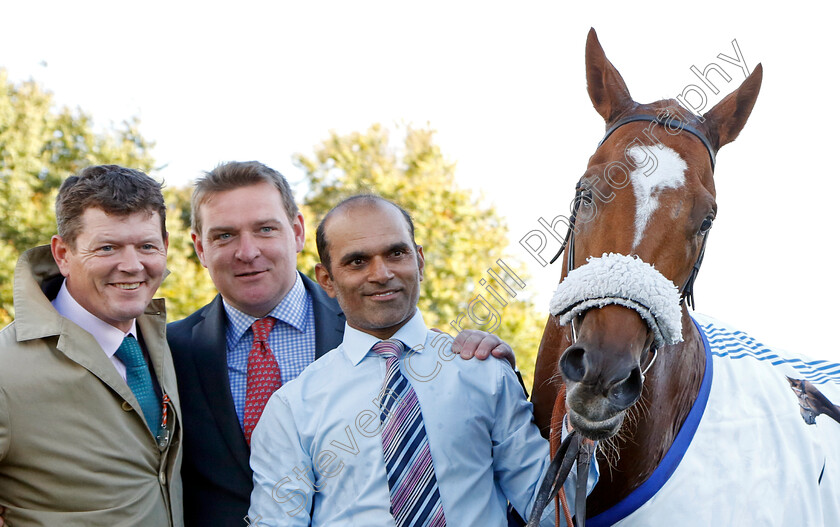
(116, 190)
(321, 241)
(237, 174)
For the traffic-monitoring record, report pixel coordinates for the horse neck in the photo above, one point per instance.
(670, 389)
(832, 411)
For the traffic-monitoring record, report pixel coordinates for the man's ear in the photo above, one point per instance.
(60, 251)
(199, 247)
(322, 274)
(299, 230)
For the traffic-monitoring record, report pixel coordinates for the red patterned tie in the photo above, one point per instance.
(263, 375)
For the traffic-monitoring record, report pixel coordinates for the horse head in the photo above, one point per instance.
(642, 212)
(812, 402)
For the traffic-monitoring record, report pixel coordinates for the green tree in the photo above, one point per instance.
(40, 146)
(462, 236)
(188, 286)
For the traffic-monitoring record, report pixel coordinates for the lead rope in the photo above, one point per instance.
(586, 448)
(564, 454)
(557, 416)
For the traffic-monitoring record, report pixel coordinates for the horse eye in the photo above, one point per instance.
(585, 195)
(706, 225)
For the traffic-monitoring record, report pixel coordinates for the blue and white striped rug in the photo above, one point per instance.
(746, 454)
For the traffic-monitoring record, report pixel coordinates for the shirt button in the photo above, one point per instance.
(162, 478)
(126, 406)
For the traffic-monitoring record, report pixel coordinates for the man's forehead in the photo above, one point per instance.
(369, 214)
(95, 212)
(101, 221)
(263, 188)
(239, 202)
(368, 227)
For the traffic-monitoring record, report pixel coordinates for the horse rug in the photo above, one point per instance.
(760, 446)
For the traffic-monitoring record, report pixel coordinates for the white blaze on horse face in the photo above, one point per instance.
(669, 173)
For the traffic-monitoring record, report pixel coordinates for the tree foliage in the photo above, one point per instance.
(462, 237)
(188, 286)
(40, 146)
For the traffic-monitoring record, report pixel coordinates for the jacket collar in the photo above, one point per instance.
(36, 318)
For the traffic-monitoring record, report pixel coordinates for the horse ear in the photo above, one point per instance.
(607, 90)
(729, 116)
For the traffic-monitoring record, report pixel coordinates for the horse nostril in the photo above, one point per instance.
(571, 364)
(628, 391)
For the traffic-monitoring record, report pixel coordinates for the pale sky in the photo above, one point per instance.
(503, 84)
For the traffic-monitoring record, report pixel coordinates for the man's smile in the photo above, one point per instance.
(248, 274)
(128, 286)
(384, 295)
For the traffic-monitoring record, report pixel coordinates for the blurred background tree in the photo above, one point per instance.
(462, 237)
(188, 286)
(40, 146)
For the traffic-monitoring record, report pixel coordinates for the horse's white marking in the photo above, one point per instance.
(669, 173)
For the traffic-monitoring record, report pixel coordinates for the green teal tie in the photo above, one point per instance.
(140, 381)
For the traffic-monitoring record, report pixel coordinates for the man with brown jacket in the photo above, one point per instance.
(90, 431)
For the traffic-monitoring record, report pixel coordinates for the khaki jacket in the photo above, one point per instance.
(74, 447)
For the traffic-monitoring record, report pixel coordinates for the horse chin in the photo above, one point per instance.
(596, 430)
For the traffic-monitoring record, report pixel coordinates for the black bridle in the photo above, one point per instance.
(681, 126)
(573, 448)
(687, 289)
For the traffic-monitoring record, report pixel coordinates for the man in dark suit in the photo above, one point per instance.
(216, 471)
(247, 232)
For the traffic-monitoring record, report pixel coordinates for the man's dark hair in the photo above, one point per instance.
(238, 174)
(116, 190)
(321, 241)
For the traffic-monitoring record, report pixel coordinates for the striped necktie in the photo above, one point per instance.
(415, 497)
(263, 375)
(139, 380)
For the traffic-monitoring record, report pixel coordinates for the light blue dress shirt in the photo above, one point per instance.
(322, 432)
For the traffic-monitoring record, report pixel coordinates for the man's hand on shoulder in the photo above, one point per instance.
(479, 344)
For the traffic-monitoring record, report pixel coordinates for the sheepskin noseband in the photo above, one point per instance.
(626, 281)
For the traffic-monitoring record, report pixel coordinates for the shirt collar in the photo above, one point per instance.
(108, 337)
(291, 310)
(357, 343)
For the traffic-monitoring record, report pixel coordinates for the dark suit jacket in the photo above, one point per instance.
(216, 474)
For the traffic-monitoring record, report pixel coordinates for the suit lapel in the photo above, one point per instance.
(152, 338)
(210, 358)
(152, 328)
(80, 347)
(209, 355)
(329, 320)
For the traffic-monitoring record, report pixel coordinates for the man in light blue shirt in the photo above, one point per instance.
(317, 452)
(248, 231)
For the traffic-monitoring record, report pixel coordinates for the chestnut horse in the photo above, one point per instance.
(620, 339)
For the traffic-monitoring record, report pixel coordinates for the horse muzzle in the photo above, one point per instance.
(626, 307)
